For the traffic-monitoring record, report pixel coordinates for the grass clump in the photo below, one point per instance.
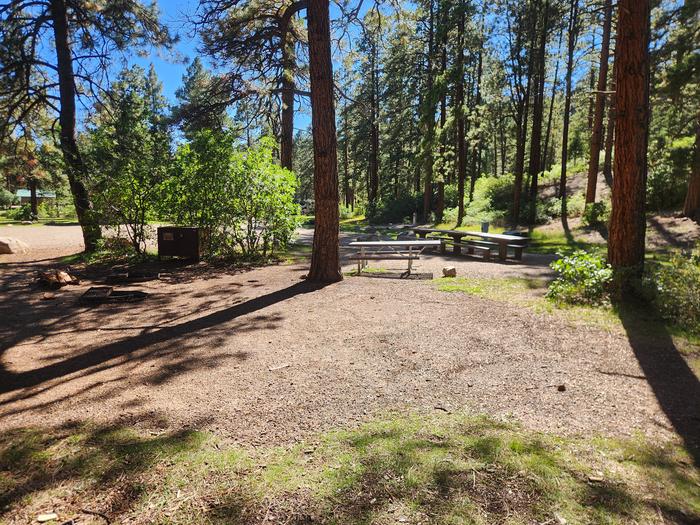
(438, 469)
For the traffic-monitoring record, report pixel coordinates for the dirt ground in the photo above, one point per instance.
(259, 356)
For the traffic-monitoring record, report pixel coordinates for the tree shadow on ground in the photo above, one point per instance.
(97, 358)
(106, 462)
(675, 385)
(479, 473)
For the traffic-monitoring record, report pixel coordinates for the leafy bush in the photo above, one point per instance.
(23, 213)
(596, 213)
(583, 278)
(675, 289)
(391, 210)
(6, 198)
(576, 204)
(242, 200)
(128, 154)
(669, 164)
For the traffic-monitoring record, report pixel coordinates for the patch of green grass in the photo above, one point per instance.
(504, 288)
(438, 469)
(468, 227)
(530, 293)
(558, 242)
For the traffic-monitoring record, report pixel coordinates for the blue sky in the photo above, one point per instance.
(170, 66)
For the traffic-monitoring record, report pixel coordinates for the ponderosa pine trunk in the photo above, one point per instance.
(610, 135)
(599, 110)
(537, 116)
(627, 221)
(476, 149)
(691, 207)
(459, 111)
(33, 200)
(571, 48)
(428, 118)
(373, 189)
(325, 257)
(76, 169)
(288, 86)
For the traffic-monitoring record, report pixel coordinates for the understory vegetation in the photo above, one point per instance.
(428, 469)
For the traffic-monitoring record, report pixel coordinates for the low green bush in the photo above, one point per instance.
(596, 213)
(395, 209)
(6, 198)
(583, 278)
(675, 290)
(23, 213)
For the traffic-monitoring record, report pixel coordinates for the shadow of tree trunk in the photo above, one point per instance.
(675, 385)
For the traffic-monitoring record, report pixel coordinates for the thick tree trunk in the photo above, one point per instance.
(597, 131)
(627, 221)
(691, 208)
(325, 257)
(537, 115)
(76, 169)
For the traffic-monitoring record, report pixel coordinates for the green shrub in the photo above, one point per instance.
(6, 198)
(23, 213)
(242, 199)
(395, 209)
(576, 204)
(596, 213)
(675, 289)
(583, 278)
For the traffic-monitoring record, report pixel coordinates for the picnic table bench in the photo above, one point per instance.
(485, 244)
(408, 250)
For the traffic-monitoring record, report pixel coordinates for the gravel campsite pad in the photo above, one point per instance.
(259, 357)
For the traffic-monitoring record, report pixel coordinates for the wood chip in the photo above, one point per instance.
(280, 367)
(49, 516)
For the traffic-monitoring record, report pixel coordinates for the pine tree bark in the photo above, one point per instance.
(33, 200)
(288, 86)
(476, 149)
(537, 116)
(691, 207)
(459, 112)
(610, 135)
(76, 169)
(428, 119)
(627, 222)
(325, 257)
(373, 189)
(571, 48)
(599, 110)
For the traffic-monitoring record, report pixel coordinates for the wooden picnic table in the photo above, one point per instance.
(377, 250)
(502, 240)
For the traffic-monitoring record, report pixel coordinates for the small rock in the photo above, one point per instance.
(560, 519)
(561, 388)
(49, 516)
(449, 271)
(8, 245)
(47, 296)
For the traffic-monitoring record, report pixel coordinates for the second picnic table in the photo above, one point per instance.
(504, 241)
(409, 250)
